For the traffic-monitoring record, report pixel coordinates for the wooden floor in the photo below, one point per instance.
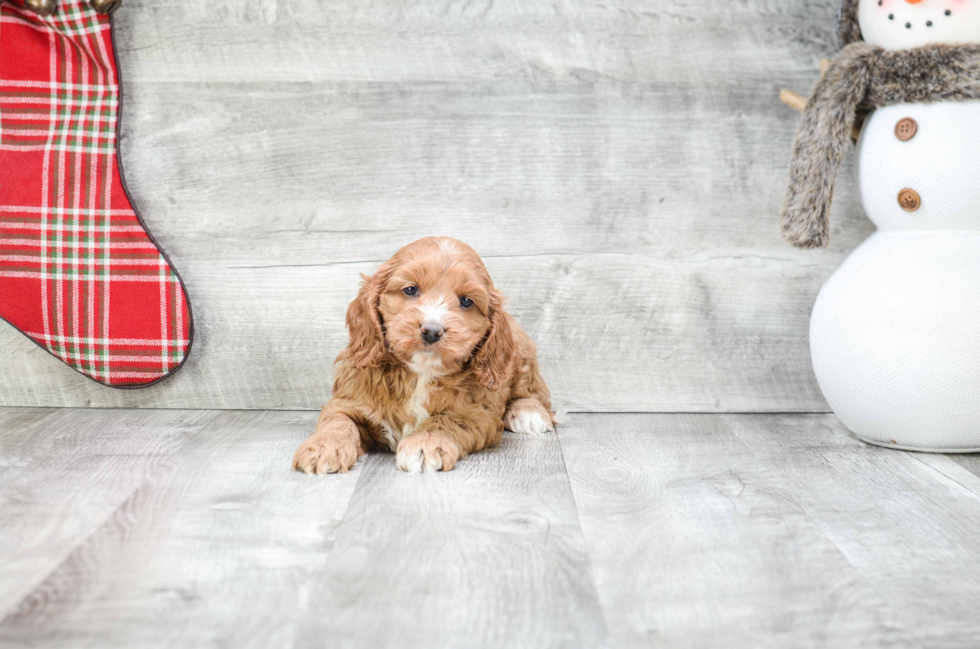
(185, 528)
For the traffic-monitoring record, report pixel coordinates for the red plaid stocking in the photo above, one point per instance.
(79, 274)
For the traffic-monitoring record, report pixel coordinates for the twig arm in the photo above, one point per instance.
(798, 102)
(793, 100)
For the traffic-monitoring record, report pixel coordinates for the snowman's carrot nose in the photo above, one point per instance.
(913, 2)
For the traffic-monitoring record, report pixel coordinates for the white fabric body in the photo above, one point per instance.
(899, 24)
(895, 340)
(941, 163)
(895, 332)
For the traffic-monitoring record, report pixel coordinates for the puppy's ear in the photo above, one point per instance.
(493, 359)
(367, 337)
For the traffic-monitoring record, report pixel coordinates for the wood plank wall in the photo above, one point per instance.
(619, 163)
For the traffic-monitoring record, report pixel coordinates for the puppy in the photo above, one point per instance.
(435, 368)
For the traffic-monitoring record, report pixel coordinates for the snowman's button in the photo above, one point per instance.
(909, 200)
(906, 129)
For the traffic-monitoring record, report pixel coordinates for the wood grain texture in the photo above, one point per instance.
(620, 165)
(220, 549)
(64, 473)
(172, 529)
(695, 543)
(16, 426)
(969, 462)
(487, 555)
(907, 522)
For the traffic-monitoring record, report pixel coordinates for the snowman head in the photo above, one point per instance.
(904, 24)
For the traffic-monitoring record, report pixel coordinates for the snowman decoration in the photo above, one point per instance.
(895, 332)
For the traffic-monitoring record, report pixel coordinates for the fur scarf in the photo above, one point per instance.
(861, 78)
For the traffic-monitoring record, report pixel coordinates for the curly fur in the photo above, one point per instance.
(861, 78)
(431, 403)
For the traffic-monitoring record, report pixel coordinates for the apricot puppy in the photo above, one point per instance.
(435, 368)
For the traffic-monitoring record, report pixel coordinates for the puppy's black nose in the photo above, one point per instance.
(432, 332)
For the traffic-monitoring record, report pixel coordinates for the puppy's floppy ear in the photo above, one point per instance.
(367, 337)
(493, 359)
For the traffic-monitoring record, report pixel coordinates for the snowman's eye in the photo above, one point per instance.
(949, 13)
(891, 16)
(908, 25)
(929, 24)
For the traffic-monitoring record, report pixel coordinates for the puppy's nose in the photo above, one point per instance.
(432, 332)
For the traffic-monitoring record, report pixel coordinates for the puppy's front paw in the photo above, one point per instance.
(426, 451)
(528, 417)
(326, 454)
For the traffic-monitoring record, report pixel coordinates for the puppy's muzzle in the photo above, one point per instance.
(432, 332)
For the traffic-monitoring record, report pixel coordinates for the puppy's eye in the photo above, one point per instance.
(465, 302)
(411, 291)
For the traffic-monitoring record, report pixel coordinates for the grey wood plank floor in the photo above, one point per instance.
(123, 528)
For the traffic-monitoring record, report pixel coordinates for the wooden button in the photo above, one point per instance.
(906, 129)
(909, 200)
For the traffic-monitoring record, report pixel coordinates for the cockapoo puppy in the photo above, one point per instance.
(435, 368)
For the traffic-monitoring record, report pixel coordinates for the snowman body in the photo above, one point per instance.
(895, 332)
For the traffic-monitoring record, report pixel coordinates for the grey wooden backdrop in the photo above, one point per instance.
(619, 164)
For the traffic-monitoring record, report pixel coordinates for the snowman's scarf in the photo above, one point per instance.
(863, 77)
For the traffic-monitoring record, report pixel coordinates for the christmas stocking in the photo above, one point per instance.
(79, 273)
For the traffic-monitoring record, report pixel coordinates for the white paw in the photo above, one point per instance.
(418, 462)
(527, 422)
(409, 462)
(426, 452)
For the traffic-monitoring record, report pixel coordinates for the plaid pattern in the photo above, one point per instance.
(79, 274)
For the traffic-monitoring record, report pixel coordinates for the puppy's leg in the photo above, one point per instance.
(527, 416)
(427, 451)
(529, 409)
(444, 439)
(334, 446)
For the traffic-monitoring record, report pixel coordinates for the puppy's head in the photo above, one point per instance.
(432, 306)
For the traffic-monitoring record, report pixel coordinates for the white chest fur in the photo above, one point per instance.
(426, 369)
